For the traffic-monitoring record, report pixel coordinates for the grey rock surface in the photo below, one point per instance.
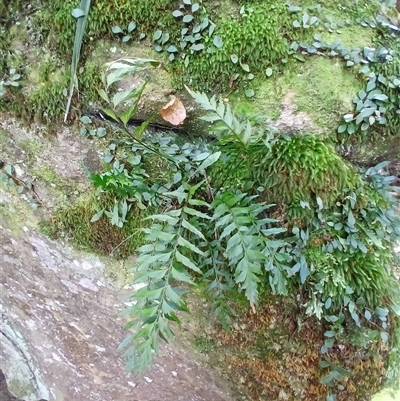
(60, 332)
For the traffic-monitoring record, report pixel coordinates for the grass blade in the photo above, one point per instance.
(81, 14)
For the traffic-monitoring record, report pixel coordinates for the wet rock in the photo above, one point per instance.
(60, 331)
(5, 395)
(376, 151)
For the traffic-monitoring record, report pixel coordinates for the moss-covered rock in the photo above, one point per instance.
(314, 91)
(320, 87)
(74, 222)
(275, 354)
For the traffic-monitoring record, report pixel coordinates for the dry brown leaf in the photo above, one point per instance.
(174, 112)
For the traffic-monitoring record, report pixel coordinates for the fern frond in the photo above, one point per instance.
(168, 260)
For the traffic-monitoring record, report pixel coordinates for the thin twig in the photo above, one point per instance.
(126, 239)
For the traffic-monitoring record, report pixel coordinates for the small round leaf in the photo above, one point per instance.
(245, 67)
(116, 29)
(77, 13)
(172, 49)
(165, 38)
(157, 35)
(197, 47)
(187, 18)
(85, 120)
(351, 129)
(131, 26)
(234, 58)
(101, 131)
(217, 41)
(348, 117)
(249, 92)
(177, 13)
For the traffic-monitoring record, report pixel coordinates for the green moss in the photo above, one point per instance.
(22, 389)
(18, 32)
(74, 222)
(205, 344)
(323, 88)
(268, 97)
(47, 86)
(47, 174)
(387, 395)
(257, 38)
(15, 212)
(148, 15)
(45, 71)
(222, 8)
(90, 82)
(342, 10)
(47, 103)
(300, 168)
(352, 37)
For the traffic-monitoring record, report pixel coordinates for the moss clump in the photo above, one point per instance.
(297, 171)
(32, 148)
(74, 222)
(60, 24)
(361, 271)
(252, 41)
(47, 103)
(90, 82)
(305, 166)
(353, 36)
(46, 93)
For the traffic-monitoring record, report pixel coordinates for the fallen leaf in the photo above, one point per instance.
(174, 112)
